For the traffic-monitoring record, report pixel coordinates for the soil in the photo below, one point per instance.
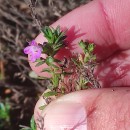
(17, 27)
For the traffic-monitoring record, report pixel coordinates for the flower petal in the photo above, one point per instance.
(27, 50)
(33, 50)
(38, 54)
(32, 58)
(33, 43)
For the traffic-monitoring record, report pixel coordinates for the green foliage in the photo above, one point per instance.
(49, 60)
(79, 66)
(55, 79)
(4, 114)
(55, 39)
(50, 93)
(88, 49)
(83, 45)
(32, 125)
(42, 107)
(40, 63)
(46, 70)
(86, 46)
(4, 111)
(55, 42)
(83, 82)
(33, 75)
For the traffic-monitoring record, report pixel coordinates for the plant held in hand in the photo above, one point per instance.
(66, 75)
(69, 74)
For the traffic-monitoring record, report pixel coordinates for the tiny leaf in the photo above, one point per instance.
(40, 63)
(32, 123)
(82, 44)
(49, 60)
(51, 93)
(46, 70)
(55, 79)
(90, 47)
(33, 75)
(42, 107)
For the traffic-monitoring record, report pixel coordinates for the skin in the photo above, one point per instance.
(107, 24)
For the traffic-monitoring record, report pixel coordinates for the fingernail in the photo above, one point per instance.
(66, 115)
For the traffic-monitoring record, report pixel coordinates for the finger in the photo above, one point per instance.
(104, 22)
(101, 22)
(94, 109)
(115, 71)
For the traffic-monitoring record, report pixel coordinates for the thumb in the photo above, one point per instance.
(94, 109)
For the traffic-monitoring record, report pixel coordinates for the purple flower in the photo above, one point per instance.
(33, 50)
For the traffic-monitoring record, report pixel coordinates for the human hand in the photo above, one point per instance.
(107, 24)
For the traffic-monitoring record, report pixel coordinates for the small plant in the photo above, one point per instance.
(4, 114)
(67, 75)
(32, 125)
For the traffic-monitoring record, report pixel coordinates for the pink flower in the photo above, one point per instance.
(33, 50)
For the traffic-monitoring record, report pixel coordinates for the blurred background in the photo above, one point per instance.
(19, 91)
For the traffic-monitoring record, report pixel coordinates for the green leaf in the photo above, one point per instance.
(33, 75)
(51, 93)
(32, 123)
(46, 78)
(87, 57)
(4, 111)
(55, 66)
(57, 47)
(46, 70)
(48, 33)
(7, 106)
(40, 63)
(49, 60)
(90, 47)
(82, 45)
(42, 107)
(60, 37)
(47, 30)
(57, 30)
(55, 39)
(2, 107)
(55, 79)
(50, 87)
(47, 49)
